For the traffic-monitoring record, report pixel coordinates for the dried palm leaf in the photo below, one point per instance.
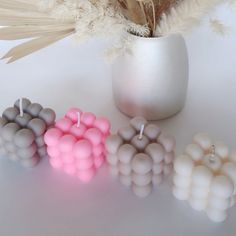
(35, 45)
(23, 19)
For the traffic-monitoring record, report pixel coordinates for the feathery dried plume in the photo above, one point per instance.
(218, 27)
(184, 16)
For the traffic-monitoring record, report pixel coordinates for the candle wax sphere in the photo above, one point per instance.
(112, 159)
(126, 152)
(142, 191)
(24, 138)
(158, 168)
(42, 151)
(56, 163)
(67, 143)
(27, 153)
(78, 132)
(53, 136)
(199, 192)
(113, 142)
(229, 169)
(141, 163)
(156, 151)
(3, 122)
(34, 109)
(137, 123)
(9, 131)
(23, 120)
(138, 143)
(64, 124)
(37, 126)
(113, 170)
(222, 186)
(169, 157)
(94, 136)
(198, 204)
(13, 157)
(219, 203)
(25, 103)
(66, 158)
(98, 150)
(181, 181)
(142, 180)
(168, 169)
(184, 165)
(124, 169)
(86, 175)
(98, 161)
(221, 150)
(72, 114)
(31, 162)
(181, 193)
(10, 113)
(203, 140)
(53, 151)
(102, 124)
(157, 179)
(70, 169)
(48, 116)
(216, 215)
(152, 131)
(83, 149)
(194, 151)
(167, 141)
(40, 141)
(10, 147)
(127, 133)
(125, 180)
(202, 176)
(84, 164)
(88, 118)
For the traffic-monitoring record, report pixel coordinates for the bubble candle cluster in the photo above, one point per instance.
(205, 176)
(22, 128)
(76, 144)
(140, 154)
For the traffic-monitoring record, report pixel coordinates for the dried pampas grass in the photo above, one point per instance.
(44, 22)
(184, 16)
(47, 21)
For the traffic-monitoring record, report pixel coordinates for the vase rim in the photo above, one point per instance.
(155, 38)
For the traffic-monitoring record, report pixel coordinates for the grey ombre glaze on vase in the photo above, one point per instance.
(152, 79)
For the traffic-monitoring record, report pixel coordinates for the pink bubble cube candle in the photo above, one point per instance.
(76, 144)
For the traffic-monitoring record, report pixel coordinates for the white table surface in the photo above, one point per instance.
(42, 201)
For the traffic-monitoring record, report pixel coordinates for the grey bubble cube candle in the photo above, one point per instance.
(140, 154)
(22, 128)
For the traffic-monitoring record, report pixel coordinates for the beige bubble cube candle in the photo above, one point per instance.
(140, 154)
(205, 176)
(22, 128)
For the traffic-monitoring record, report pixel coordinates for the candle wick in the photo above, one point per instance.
(79, 118)
(213, 153)
(141, 132)
(21, 107)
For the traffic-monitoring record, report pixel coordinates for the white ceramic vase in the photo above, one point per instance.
(152, 79)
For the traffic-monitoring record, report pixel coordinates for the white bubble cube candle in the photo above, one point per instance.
(140, 154)
(205, 176)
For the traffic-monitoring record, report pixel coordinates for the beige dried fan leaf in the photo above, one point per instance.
(23, 19)
(34, 45)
